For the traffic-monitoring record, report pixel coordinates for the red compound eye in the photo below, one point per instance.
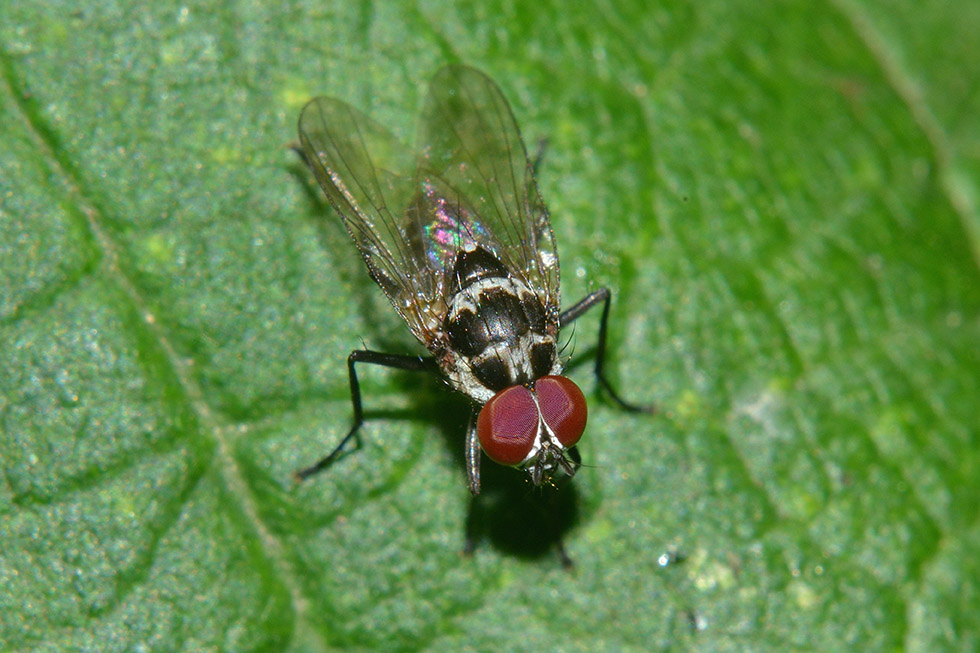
(508, 424)
(562, 407)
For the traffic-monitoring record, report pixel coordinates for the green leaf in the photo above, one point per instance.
(782, 196)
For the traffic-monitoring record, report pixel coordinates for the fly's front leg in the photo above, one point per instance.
(397, 361)
(601, 295)
(473, 455)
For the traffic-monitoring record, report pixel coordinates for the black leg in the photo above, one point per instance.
(398, 361)
(602, 295)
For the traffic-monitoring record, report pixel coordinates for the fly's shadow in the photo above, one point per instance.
(519, 519)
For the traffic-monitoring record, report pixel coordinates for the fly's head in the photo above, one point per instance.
(534, 427)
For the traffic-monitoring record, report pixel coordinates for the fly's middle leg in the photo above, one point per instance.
(397, 361)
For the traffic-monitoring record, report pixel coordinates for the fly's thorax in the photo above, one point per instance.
(499, 333)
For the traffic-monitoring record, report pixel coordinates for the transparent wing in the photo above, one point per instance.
(473, 160)
(362, 169)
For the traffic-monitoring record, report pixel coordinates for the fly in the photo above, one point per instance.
(458, 238)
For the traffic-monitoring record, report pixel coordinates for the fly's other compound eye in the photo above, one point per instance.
(508, 425)
(563, 408)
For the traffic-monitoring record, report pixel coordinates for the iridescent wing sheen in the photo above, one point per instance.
(477, 183)
(366, 174)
